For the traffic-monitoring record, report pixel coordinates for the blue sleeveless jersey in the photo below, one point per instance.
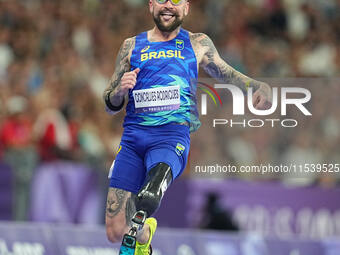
(165, 91)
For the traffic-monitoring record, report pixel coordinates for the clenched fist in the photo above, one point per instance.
(128, 81)
(262, 98)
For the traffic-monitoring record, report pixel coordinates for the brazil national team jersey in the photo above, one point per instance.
(165, 91)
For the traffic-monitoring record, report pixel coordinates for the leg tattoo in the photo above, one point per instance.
(115, 200)
(130, 209)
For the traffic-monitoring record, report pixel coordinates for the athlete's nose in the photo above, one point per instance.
(168, 4)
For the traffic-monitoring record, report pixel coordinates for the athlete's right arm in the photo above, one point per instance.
(122, 80)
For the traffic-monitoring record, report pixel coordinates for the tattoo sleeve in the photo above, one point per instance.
(122, 65)
(216, 67)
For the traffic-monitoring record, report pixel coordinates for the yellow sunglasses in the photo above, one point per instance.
(174, 2)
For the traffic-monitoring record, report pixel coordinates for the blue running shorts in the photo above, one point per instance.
(142, 147)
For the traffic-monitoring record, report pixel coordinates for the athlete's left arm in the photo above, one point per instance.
(210, 60)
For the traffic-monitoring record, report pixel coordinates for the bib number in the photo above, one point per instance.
(157, 99)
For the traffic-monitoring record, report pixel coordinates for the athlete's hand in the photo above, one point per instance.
(128, 81)
(262, 98)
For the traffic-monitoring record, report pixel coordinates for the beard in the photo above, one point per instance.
(170, 27)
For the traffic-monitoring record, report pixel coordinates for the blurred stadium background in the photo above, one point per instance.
(57, 142)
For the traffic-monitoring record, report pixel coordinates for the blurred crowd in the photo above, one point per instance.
(56, 58)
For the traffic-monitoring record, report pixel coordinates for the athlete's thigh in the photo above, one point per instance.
(128, 171)
(126, 178)
(172, 149)
(120, 207)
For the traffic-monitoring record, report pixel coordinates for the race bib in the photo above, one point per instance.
(157, 99)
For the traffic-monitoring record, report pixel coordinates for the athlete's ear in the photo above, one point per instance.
(186, 8)
(151, 6)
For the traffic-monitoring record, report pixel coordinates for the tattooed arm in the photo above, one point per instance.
(209, 59)
(122, 80)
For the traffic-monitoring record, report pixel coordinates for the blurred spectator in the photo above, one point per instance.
(215, 217)
(6, 53)
(300, 152)
(19, 151)
(51, 130)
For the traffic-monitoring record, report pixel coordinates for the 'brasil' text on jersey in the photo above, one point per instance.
(161, 54)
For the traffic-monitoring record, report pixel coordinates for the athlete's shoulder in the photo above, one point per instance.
(127, 47)
(200, 41)
(129, 42)
(200, 38)
(196, 35)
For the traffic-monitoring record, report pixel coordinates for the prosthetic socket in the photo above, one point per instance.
(157, 181)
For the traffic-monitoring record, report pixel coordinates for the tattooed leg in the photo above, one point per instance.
(120, 208)
(115, 200)
(117, 206)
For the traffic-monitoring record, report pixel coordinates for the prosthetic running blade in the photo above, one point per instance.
(128, 246)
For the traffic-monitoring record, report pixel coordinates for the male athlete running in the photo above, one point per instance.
(155, 69)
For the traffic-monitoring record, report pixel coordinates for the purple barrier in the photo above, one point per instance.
(174, 205)
(65, 192)
(271, 209)
(6, 192)
(20, 239)
(37, 239)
